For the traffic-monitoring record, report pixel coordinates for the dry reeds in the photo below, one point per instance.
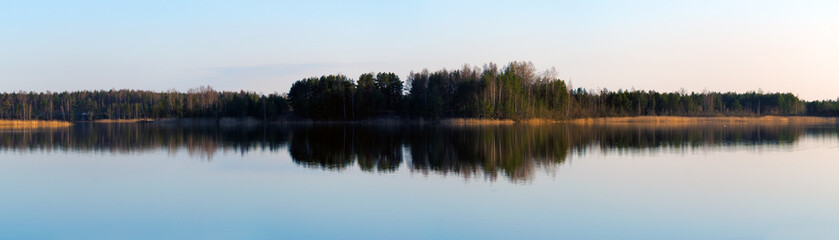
(26, 124)
(475, 121)
(490, 121)
(676, 121)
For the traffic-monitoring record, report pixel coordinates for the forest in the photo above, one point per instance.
(202, 102)
(519, 91)
(514, 91)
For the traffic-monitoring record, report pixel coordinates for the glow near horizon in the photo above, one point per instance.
(776, 46)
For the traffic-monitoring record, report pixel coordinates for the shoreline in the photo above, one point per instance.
(133, 120)
(724, 120)
(638, 120)
(32, 124)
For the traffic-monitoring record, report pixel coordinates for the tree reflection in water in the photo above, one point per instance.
(512, 151)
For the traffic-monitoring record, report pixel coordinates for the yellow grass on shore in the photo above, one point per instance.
(650, 120)
(475, 121)
(489, 121)
(671, 120)
(642, 120)
(26, 124)
(133, 120)
(537, 121)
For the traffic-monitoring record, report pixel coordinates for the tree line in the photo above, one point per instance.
(199, 102)
(513, 91)
(519, 91)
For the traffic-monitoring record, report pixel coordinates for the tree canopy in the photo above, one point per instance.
(513, 91)
(519, 91)
(133, 104)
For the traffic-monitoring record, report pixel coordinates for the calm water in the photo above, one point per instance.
(363, 182)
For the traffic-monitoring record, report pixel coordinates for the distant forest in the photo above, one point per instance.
(514, 91)
(202, 102)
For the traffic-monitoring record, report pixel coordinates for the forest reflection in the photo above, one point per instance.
(514, 152)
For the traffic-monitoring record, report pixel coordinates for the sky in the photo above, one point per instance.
(264, 46)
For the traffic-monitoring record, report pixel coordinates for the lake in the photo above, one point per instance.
(560, 181)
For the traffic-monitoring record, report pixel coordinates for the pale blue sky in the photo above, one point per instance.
(266, 45)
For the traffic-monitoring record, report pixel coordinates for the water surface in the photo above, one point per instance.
(142, 181)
